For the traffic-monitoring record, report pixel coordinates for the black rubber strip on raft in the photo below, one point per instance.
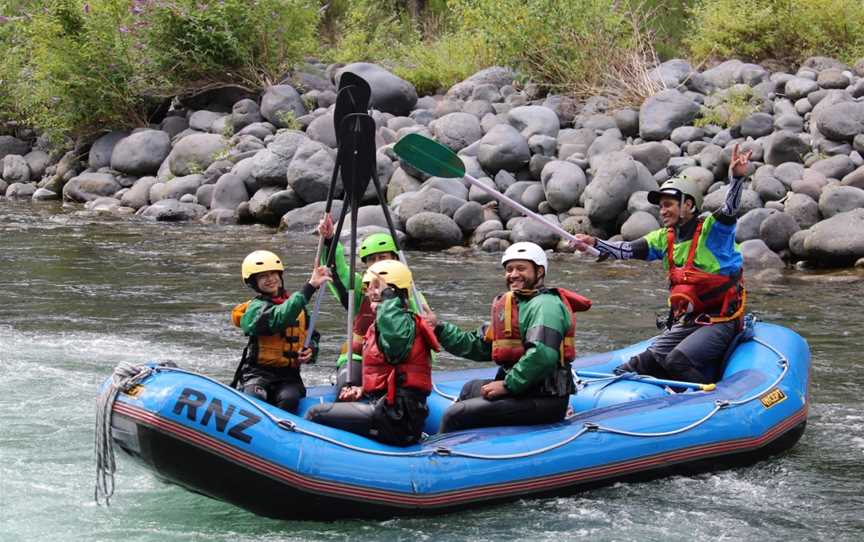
(210, 473)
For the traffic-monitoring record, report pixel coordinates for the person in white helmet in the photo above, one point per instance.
(530, 337)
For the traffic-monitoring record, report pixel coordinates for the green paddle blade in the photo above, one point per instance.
(429, 156)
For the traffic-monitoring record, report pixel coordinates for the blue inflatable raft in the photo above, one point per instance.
(201, 434)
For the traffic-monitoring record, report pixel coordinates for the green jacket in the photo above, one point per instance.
(543, 322)
(263, 317)
(339, 288)
(394, 328)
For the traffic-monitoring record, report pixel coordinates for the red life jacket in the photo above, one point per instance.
(710, 297)
(504, 334)
(414, 372)
(362, 320)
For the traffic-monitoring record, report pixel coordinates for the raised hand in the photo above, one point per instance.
(319, 276)
(740, 162)
(325, 227)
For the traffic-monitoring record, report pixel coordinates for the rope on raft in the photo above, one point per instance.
(125, 377)
(105, 458)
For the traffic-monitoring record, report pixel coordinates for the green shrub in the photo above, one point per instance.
(438, 64)
(78, 73)
(374, 30)
(729, 108)
(579, 47)
(790, 30)
(188, 42)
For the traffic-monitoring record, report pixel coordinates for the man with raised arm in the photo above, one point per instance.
(704, 267)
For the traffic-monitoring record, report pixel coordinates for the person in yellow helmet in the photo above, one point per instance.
(374, 248)
(276, 325)
(390, 405)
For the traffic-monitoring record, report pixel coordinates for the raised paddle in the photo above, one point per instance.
(438, 160)
(357, 134)
(356, 169)
(352, 97)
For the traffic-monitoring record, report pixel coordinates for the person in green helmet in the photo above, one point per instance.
(373, 249)
(704, 267)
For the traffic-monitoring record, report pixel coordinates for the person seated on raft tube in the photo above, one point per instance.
(704, 266)
(397, 374)
(276, 325)
(374, 248)
(530, 337)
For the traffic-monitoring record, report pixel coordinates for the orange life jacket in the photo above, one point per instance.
(414, 372)
(280, 350)
(710, 297)
(504, 334)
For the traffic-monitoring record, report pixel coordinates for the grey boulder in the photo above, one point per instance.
(840, 199)
(141, 153)
(653, 155)
(89, 186)
(194, 153)
(563, 183)
(457, 130)
(138, 195)
(839, 239)
(229, 192)
(663, 112)
(469, 216)
(503, 147)
(615, 179)
(785, 146)
(638, 224)
(244, 113)
(270, 166)
(433, 230)
(306, 218)
(172, 210)
(13, 145)
(533, 120)
(280, 104)
(803, 209)
(525, 229)
(758, 257)
(776, 230)
(390, 94)
(103, 148)
(310, 171)
(14, 169)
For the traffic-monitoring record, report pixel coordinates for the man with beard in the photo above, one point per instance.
(530, 337)
(704, 266)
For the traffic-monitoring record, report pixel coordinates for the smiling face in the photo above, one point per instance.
(671, 212)
(522, 275)
(268, 282)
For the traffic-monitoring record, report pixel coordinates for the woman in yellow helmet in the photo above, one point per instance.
(276, 325)
(390, 405)
(374, 248)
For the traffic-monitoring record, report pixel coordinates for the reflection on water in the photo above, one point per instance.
(80, 294)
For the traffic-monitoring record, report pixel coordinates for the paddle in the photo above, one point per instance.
(648, 380)
(438, 160)
(357, 136)
(382, 200)
(352, 97)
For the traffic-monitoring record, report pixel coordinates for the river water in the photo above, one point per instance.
(80, 293)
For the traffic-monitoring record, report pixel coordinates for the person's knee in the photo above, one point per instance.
(288, 398)
(315, 413)
(681, 367)
(255, 389)
(472, 389)
(452, 418)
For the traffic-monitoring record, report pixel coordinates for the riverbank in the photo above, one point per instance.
(171, 287)
(228, 156)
